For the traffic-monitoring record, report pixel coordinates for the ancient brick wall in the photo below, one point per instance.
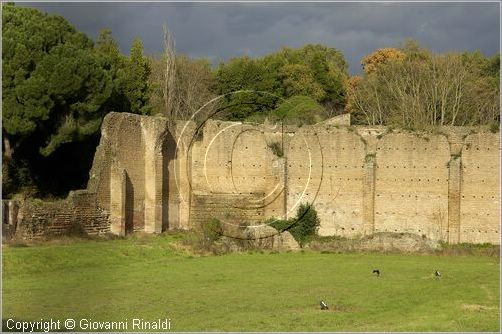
(325, 167)
(152, 175)
(131, 145)
(480, 189)
(229, 209)
(122, 143)
(78, 213)
(411, 188)
(235, 158)
(361, 179)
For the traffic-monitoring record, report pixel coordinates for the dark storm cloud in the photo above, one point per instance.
(223, 30)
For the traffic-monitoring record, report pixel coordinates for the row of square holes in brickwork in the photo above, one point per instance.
(437, 231)
(470, 167)
(408, 149)
(339, 178)
(229, 163)
(423, 148)
(479, 196)
(480, 231)
(392, 148)
(477, 148)
(410, 196)
(394, 213)
(420, 231)
(380, 179)
(417, 213)
(477, 214)
(225, 178)
(350, 194)
(383, 148)
(345, 166)
(377, 166)
(411, 180)
(384, 179)
(257, 213)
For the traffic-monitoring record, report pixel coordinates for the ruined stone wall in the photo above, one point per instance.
(361, 179)
(121, 147)
(325, 167)
(233, 210)
(77, 214)
(129, 173)
(411, 185)
(152, 175)
(234, 158)
(480, 189)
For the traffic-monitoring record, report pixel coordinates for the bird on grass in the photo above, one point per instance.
(324, 306)
(437, 274)
(377, 272)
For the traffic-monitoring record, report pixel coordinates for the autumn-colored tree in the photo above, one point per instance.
(381, 56)
(351, 85)
(424, 90)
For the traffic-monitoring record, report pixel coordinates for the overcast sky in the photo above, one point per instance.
(223, 30)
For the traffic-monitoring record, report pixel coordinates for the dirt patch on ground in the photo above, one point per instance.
(332, 308)
(477, 307)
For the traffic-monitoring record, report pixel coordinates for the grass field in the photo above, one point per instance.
(146, 278)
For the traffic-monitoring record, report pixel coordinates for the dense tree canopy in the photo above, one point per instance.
(57, 88)
(315, 71)
(299, 110)
(44, 62)
(249, 75)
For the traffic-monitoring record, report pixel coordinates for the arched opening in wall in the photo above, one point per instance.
(169, 188)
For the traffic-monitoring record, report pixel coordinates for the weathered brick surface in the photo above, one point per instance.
(123, 141)
(326, 167)
(79, 211)
(480, 189)
(411, 184)
(231, 209)
(361, 179)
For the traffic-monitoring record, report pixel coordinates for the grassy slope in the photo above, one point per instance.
(145, 278)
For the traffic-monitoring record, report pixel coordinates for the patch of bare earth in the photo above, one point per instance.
(477, 307)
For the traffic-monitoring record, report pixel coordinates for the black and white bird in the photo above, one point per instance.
(377, 272)
(324, 306)
(437, 274)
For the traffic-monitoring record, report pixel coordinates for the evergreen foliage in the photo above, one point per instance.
(302, 227)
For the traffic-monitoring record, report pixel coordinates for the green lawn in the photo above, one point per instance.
(146, 278)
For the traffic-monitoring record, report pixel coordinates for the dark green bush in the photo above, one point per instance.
(494, 127)
(303, 227)
(276, 148)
